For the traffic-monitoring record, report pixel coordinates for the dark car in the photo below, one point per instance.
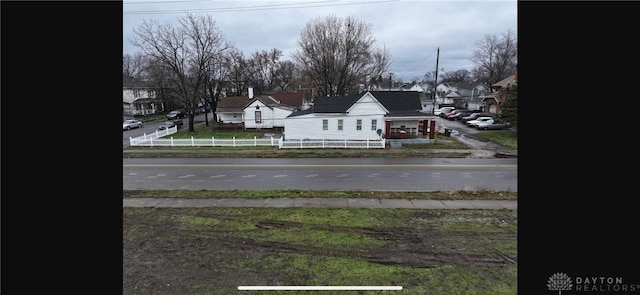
(178, 123)
(203, 109)
(170, 124)
(463, 114)
(177, 114)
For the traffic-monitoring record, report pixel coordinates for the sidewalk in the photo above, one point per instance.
(371, 203)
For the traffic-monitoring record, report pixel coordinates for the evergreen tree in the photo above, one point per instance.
(509, 108)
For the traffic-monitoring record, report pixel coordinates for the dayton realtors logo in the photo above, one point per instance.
(562, 282)
(559, 282)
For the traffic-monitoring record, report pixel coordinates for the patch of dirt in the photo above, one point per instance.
(163, 257)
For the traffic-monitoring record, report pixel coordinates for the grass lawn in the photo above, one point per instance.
(215, 250)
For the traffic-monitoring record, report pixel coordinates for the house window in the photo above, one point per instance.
(359, 124)
(258, 117)
(325, 124)
(339, 124)
(374, 125)
(136, 92)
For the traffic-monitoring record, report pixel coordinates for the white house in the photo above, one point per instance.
(364, 116)
(138, 98)
(231, 109)
(265, 112)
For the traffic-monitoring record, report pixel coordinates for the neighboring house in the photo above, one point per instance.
(139, 98)
(492, 101)
(426, 97)
(365, 116)
(231, 109)
(264, 111)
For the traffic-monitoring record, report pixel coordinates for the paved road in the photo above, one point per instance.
(379, 174)
(152, 126)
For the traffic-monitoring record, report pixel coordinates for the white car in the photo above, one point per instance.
(130, 124)
(443, 110)
(479, 120)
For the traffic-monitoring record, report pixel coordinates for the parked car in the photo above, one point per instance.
(480, 121)
(178, 123)
(203, 109)
(455, 114)
(176, 114)
(477, 115)
(130, 124)
(445, 114)
(464, 113)
(168, 124)
(443, 110)
(495, 126)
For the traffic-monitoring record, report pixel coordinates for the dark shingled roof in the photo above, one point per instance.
(233, 103)
(334, 104)
(294, 99)
(130, 82)
(397, 102)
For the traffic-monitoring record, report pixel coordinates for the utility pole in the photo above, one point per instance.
(390, 75)
(435, 83)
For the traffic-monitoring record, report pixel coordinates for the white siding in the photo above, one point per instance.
(366, 105)
(131, 108)
(271, 117)
(229, 117)
(310, 127)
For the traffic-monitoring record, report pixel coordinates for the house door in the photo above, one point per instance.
(387, 129)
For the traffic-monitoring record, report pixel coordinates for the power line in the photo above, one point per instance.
(252, 8)
(163, 2)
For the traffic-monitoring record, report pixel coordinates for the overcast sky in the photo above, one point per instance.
(412, 30)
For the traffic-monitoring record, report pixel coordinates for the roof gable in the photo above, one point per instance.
(366, 97)
(392, 101)
(504, 83)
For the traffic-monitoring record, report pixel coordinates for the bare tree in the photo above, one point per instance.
(239, 75)
(285, 74)
(456, 76)
(158, 75)
(495, 58)
(133, 65)
(263, 65)
(337, 54)
(185, 52)
(218, 80)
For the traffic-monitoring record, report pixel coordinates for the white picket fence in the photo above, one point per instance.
(157, 139)
(145, 139)
(332, 144)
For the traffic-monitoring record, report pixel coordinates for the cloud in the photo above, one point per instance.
(412, 31)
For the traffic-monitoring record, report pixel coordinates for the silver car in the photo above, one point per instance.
(130, 124)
